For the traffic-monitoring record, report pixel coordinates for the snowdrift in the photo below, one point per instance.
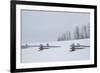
(62, 53)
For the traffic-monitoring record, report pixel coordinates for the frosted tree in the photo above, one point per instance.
(88, 30)
(77, 33)
(62, 37)
(69, 35)
(58, 39)
(85, 31)
(81, 34)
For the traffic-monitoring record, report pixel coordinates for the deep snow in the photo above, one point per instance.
(32, 54)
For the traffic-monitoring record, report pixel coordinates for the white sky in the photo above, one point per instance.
(43, 26)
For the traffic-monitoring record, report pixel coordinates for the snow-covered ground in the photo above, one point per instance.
(32, 54)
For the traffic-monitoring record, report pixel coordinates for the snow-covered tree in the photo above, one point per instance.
(88, 30)
(68, 35)
(77, 33)
(62, 37)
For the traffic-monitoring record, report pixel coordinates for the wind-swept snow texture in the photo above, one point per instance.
(62, 53)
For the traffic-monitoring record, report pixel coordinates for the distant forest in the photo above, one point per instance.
(79, 33)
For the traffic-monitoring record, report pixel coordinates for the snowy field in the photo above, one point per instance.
(62, 53)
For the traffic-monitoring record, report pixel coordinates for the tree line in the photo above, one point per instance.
(79, 33)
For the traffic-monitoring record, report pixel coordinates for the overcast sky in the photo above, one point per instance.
(43, 26)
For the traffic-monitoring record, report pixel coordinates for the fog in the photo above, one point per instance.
(43, 26)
